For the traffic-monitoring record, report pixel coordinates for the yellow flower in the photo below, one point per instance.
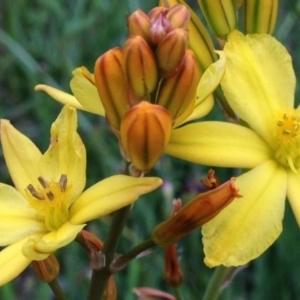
(259, 84)
(48, 208)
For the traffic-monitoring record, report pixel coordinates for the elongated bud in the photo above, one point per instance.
(140, 66)
(196, 213)
(139, 24)
(145, 131)
(48, 269)
(173, 273)
(220, 15)
(179, 16)
(110, 292)
(177, 92)
(260, 16)
(170, 51)
(112, 86)
(199, 39)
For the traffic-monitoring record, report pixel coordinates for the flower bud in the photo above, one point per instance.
(139, 24)
(145, 293)
(171, 50)
(48, 269)
(220, 15)
(112, 86)
(110, 292)
(153, 13)
(160, 26)
(140, 66)
(145, 131)
(177, 92)
(179, 16)
(173, 274)
(194, 214)
(260, 16)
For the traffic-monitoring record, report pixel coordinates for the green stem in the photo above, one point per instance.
(177, 293)
(56, 289)
(214, 288)
(122, 261)
(100, 277)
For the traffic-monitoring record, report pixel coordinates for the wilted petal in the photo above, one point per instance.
(12, 262)
(110, 195)
(218, 144)
(17, 218)
(249, 225)
(194, 214)
(263, 77)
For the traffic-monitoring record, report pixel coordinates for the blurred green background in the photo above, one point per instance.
(42, 41)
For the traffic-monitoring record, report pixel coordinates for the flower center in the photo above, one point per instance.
(288, 148)
(50, 200)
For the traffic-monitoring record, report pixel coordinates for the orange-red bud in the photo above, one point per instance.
(179, 16)
(145, 131)
(112, 86)
(173, 274)
(170, 51)
(110, 292)
(177, 92)
(47, 269)
(140, 66)
(139, 24)
(194, 214)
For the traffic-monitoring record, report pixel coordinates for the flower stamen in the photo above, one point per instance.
(288, 151)
(34, 193)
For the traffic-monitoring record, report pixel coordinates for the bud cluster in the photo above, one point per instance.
(149, 83)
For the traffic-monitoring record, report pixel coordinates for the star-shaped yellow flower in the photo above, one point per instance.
(259, 84)
(48, 208)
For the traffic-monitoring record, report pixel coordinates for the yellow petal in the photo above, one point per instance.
(39, 248)
(249, 225)
(110, 195)
(17, 219)
(263, 77)
(21, 156)
(12, 262)
(201, 109)
(211, 78)
(86, 92)
(293, 193)
(59, 95)
(66, 153)
(218, 144)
